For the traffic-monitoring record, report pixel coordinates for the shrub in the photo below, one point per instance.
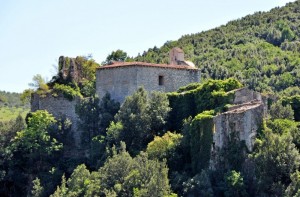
(67, 91)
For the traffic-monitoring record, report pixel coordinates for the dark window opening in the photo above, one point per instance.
(160, 80)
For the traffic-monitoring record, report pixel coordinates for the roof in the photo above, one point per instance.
(144, 64)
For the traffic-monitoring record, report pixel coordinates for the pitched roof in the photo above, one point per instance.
(144, 64)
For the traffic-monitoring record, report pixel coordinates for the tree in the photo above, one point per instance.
(108, 109)
(158, 111)
(168, 147)
(118, 55)
(37, 189)
(88, 111)
(278, 111)
(235, 184)
(121, 175)
(199, 185)
(164, 147)
(294, 188)
(35, 141)
(140, 117)
(139, 176)
(39, 83)
(276, 157)
(26, 96)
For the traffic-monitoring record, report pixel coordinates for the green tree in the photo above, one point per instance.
(140, 117)
(35, 141)
(158, 109)
(294, 187)
(276, 158)
(199, 185)
(163, 147)
(88, 111)
(108, 109)
(234, 184)
(79, 181)
(138, 176)
(118, 55)
(39, 83)
(37, 189)
(33, 150)
(278, 111)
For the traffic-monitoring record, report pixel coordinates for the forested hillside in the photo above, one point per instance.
(261, 50)
(160, 144)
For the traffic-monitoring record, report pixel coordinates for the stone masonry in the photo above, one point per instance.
(59, 107)
(242, 120)
(122, 79)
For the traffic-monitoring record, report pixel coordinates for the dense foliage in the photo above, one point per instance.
(189, 100)
(156, 144)
(261, 50)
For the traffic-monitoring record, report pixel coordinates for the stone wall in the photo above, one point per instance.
(244, 95)
(124, 81)
(243, 122)
(59, 107)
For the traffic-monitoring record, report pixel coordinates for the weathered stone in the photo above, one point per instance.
(59, 107)
(70, 69)
(243, 121)
(123, 81)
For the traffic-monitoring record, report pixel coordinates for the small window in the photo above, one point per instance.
(160, 80)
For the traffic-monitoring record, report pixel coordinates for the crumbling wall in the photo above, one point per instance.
(244, 95)
(59, 107)
(243, 122)
(70, 69)
(240, 123)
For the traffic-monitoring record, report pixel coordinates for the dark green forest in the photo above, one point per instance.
(159, 144)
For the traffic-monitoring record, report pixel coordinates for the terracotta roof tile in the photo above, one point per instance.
(128, 64)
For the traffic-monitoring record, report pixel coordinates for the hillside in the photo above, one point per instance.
(261, 50)
(212, 138)
(11, 106)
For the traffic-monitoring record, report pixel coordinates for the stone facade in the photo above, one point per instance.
(122, 79)
(125, 80)
(59, 107)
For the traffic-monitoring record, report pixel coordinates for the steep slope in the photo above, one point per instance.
(262, 50)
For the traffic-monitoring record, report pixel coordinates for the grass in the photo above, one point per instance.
(9, 113)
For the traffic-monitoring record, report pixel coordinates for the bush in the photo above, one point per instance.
(67, 91)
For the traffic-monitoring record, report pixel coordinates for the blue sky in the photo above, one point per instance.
(34, 33)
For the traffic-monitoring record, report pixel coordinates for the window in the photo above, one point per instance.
(160, 80)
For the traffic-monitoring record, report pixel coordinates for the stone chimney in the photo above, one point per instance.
(176, 56)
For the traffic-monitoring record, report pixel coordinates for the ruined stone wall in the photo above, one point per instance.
(244, 95)
(242, 122)
(123, 81)
(59, 107)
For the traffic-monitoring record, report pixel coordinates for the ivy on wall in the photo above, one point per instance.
(199, 138)
(196, 98)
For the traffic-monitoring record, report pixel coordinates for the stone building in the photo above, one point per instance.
(242, 120)
(122, 79)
